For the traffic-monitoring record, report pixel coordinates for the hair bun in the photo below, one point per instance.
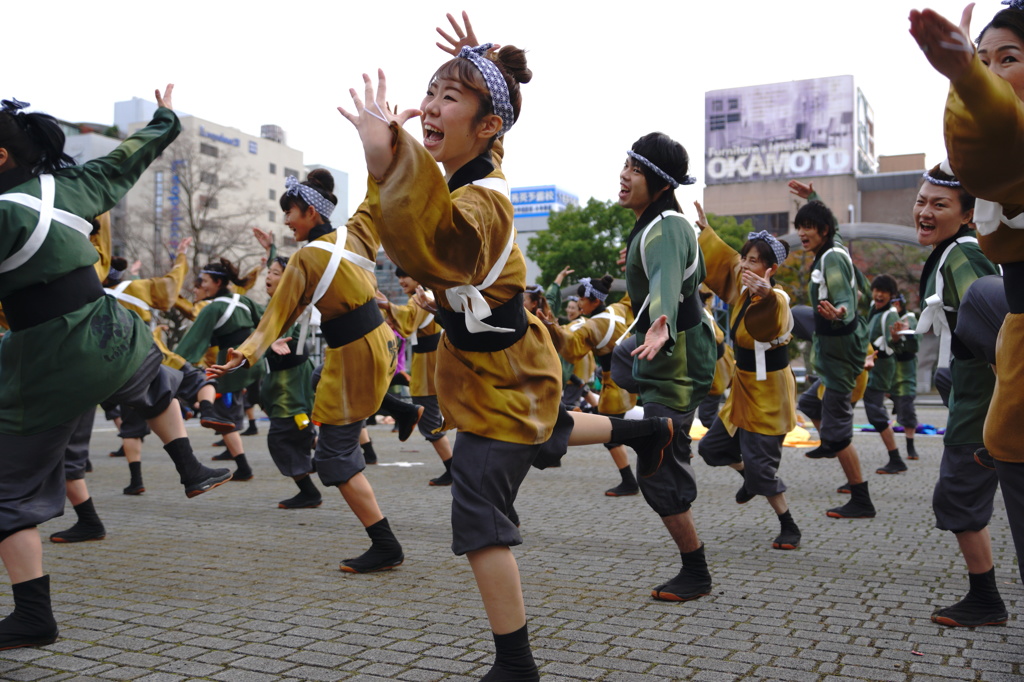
(607, 281)
(513, 59)
(321, 178)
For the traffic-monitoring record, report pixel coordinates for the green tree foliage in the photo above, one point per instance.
(587, 239)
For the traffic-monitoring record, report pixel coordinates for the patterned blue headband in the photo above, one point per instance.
(1014, 4)
(590, 292)
(495, 81)
(777, 248)
(672, 182)
(318, 201)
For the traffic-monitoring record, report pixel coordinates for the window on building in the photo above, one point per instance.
(272, 216)
(716, 105)
(734, 104)
(272, 195)
(208, 178)
(289, 240)
(716, 122)
(733, 118)
(207, 149)
(775, 223)
(273, 169)
(291, 173)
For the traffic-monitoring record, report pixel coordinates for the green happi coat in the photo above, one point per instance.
(904, 381)
(839, 354)
(288, 392)
(204, 333)
(680, 375)
(973, 379)
(880, 322)
(57, 369)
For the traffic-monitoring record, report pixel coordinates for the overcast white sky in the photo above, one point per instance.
(602, 77)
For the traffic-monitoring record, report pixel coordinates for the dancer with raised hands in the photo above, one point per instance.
(498, 376)
(65, 333)
(761, 408)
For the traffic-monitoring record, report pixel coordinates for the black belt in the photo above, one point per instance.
(40, 303)
(605, 361)
(508, 314)
(279, 363)
(774, 359)
(426, 344)
(353, 325)
(720, 350)
(690, 314)
(823, 327)
(232, 339)
(903, 357)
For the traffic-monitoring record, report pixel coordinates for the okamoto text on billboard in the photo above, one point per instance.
(777, 131)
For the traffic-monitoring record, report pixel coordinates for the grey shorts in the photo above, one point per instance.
(290, 447)
(760, 455)
(76, 455)
(132, 424)
(431, 419)
(835, 411)
(32, 477)
(338, 455)
(708, 409)
(874, 408)
(622, 365)
(1011, 480)
(964, 492)
(192, 379)
(906, 412)
(673, 488)
(231, 408)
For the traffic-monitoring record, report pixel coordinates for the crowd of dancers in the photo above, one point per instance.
(490, 358)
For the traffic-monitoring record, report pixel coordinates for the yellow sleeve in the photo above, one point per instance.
(362, 233)
(576, 345)
(249, 280)
(441, 239)
(722, 264)
(983, 125)
(171, 359)
(161, 292)
(283, 309)
(404, 318)
(767, 318)
(101, 240)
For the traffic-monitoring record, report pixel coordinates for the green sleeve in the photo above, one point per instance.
(667, 256)
(199, 336)
(554, 296)
(960, 271)
(102, 182)
(838, 272)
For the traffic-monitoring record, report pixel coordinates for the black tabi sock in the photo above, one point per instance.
(447, 465)
(894, 455)
(627, 476)
(240, 460)
(307, 487)
(252, 424)
(396, 405)
(32, 621)
(628, 429)
(180, 452)
(135, 470)
(742, 473)
(87, 515)
(385, 551)
(786, 520)
(983, 587)
(910, 447)
(368, 453)
(205, 405)
(513, 658)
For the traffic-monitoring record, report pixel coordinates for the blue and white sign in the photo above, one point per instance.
(541, 201)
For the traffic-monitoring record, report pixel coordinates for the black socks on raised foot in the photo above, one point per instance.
(743, 495)
(384, 553)
(196, 478)
(31, 623)
(789, 535)
(981, 606)
(88, 526)
(307, 498)
(648, 438)
(513, 659)
(693, 581)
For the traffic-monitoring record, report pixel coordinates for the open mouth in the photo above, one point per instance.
(431, 135)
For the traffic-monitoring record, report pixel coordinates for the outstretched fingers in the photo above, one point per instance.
(165, 99)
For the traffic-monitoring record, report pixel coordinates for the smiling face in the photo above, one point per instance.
(572, 310)
(756, 262)
(274, 273)
(1002, 51)
(811, 238)
(408, 285)
(938, 214)
(881, 298)
(453, 131)
(301, 222)
(207, 287)
(634, 193)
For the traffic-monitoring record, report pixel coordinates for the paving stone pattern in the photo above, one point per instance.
(228, 587)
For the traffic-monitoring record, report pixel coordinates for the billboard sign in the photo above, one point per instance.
(540, 201)
(779, 131)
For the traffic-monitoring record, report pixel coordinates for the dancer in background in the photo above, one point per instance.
(881, 319)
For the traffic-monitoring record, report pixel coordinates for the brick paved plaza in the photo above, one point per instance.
(228, 587)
